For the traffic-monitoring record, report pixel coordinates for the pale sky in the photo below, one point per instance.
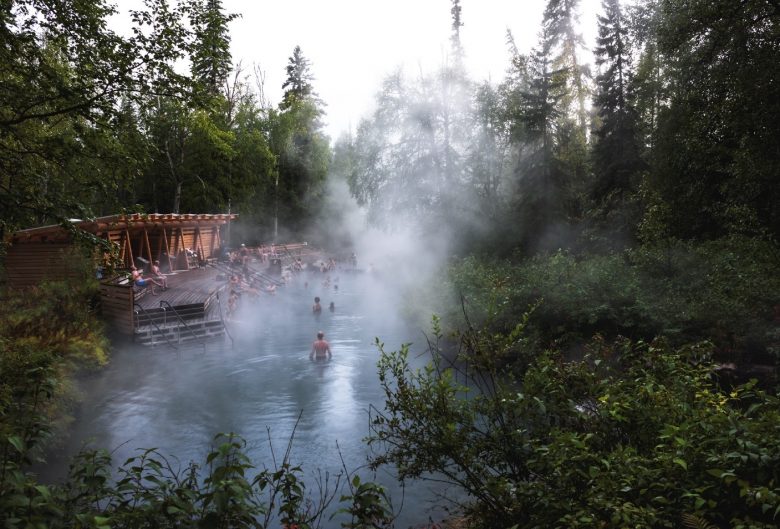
(353, 44)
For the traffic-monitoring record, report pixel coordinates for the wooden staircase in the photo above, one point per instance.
(163, 316)
(193, 322)
(175, 333)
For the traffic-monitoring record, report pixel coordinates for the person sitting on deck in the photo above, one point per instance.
(320, 349)
(158, 275)
(139, 280)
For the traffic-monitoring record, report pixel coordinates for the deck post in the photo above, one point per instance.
(167, 250)
(129, 243)
(148, 246)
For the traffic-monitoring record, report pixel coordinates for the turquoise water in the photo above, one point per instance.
(258, 387)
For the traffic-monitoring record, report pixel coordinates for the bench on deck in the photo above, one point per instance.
(138, 290)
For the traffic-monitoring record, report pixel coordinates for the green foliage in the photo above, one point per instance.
(719, 290)
(56, 318)
(368, 507)
(714, 155)
(633, 435)
(302, 160)
(616, 151)
(151, 491)
(298, 85)
(45, 334)
(64, 75)
(211, 59)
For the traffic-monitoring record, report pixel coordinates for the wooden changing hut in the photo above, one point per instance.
(179, 241)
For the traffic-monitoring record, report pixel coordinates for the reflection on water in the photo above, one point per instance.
(178, 400)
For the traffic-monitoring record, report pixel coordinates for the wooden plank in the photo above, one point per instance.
(115, 302)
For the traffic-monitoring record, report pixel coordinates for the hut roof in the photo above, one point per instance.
(103, 226)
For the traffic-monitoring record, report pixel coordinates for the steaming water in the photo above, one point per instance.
(177, 401)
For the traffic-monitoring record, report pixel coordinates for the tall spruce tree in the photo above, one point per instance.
(564, 42)
(211, 59)
(616, 153)
(565, 45)
(649, 83)
(456, 46)
(301, 148)
(298, 85)
(540, 181)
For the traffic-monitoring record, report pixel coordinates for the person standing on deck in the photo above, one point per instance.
(320, 349)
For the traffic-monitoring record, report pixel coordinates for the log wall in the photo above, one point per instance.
(29, 264)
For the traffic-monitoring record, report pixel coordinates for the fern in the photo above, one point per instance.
(695, 522)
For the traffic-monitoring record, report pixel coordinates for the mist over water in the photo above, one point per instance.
(177, 401)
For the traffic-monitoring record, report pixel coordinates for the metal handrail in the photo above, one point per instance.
(252, 272)
(152, 322)
(181, 320)
(265, 278)
(222, 319)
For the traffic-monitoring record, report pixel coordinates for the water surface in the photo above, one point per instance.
(258, 387)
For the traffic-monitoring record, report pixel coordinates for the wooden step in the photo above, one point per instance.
(164, 315)
(177, 333)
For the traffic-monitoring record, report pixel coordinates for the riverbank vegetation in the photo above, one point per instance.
(722, 290)
(610, 284)
(634, 434)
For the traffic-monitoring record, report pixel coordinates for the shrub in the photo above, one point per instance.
(723, 291)
(633, 435)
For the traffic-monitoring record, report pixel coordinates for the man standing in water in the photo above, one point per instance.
(320, 349)
(316, 308)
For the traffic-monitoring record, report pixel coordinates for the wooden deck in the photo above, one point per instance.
(191, 293)
(186, 288)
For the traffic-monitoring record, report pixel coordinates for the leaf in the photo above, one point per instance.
(681, 463)
(44, 491)
(17, 443)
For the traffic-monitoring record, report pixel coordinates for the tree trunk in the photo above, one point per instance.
(177, 197)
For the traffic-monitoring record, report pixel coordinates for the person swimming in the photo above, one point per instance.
(320, 349)
(316, 308)
(332, 307)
